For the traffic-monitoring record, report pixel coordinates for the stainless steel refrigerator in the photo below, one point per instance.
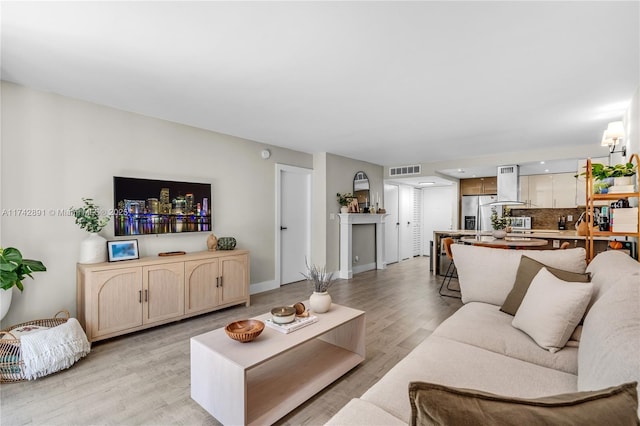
(476, 212)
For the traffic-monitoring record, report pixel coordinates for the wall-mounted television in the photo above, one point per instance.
(149, 206)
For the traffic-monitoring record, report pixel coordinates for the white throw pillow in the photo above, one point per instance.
(551, 309)
(487, 274)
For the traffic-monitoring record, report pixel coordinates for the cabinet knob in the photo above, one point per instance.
(139, 296)
(217, 282)
(220, 281)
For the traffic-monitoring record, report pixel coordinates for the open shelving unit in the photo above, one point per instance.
(592, 198)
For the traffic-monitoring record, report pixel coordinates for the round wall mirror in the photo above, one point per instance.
(361, 190)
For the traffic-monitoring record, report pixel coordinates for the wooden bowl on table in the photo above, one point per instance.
(244, 330)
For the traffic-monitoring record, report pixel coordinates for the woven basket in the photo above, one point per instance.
(11, 363)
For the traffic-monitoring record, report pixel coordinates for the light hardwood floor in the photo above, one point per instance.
(143, 378)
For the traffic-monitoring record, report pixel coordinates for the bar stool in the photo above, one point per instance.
(451, 270)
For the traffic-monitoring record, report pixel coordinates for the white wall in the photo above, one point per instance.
(56, 150)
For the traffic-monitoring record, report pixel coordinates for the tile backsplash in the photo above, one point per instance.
(548, 218)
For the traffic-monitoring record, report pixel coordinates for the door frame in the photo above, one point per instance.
(278, 241)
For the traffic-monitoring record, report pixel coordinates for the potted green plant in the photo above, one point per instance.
(500, 223)
(320, 300)
(13, 269)
(608, 174)
(91, 218)
(344, 200)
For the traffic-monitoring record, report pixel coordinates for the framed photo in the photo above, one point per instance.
(122, 250)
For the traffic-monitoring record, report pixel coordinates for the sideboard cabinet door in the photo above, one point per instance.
(116, 297)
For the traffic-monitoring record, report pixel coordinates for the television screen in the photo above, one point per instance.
(147, 206)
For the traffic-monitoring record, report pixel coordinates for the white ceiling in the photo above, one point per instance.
(391, 83)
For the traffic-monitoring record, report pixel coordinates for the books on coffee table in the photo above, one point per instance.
(297, 324)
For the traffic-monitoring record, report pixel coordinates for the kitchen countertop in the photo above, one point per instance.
(533, 233)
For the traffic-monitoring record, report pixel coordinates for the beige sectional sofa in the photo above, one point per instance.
(479, 348)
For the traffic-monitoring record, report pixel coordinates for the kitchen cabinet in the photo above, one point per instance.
(479, 186)
(122, 297)
(556, 190)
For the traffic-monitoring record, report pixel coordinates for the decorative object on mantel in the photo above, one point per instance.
(354, 207)
(226, 243)
(93, 249)
(500, 223)
(212, 242)
(320, 300)
(345, 200)
(14, 269)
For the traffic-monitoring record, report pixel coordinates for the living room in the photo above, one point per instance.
(62, 143)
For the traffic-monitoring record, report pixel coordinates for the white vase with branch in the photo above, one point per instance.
(320, 300)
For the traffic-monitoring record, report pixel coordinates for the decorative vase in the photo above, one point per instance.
(623, 180)
(5, 301)
(93, 249)
(499, 234)
(344, 209)
(226, 243)
(320, 302)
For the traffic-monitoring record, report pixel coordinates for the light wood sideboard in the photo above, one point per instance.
(122, 297)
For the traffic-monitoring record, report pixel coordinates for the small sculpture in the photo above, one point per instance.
(353, 206)
(212, 242)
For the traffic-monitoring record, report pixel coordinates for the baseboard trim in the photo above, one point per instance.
(263, 286)
(362, 268)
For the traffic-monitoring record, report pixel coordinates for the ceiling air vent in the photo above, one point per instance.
(404, 170)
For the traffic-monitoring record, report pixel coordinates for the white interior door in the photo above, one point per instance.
(391, 223)
(405, 213)
(294, 225)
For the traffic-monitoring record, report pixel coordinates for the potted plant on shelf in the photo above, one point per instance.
(13, 269)
(93, 249)
(320, 300)
(500, 223)
(344, 200)
(607, 176)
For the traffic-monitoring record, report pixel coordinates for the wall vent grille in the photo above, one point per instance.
(404, 170)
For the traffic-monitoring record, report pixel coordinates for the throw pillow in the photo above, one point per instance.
(528, 269)
(433, 404)
(551, 309)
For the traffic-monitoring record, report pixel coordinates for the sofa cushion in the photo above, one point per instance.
(609, 351)
(527, 270)
(433, 404)
(608, 268)
(358, 412)
(487, 274)
(551, 309)
(445, 361)
(484, 326)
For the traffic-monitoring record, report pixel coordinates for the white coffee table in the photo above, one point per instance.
(261, 381)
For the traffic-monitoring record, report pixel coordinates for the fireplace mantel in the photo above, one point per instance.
(347, 220)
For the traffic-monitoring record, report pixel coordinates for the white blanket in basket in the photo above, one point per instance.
(55, 349)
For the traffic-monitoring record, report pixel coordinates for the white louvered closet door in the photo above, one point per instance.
(417, 222)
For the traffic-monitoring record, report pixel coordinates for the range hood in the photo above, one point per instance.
(508, 184)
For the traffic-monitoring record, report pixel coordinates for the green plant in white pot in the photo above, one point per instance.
(13, 269)
(93, 249)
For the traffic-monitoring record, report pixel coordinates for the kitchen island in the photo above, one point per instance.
(554, 238)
